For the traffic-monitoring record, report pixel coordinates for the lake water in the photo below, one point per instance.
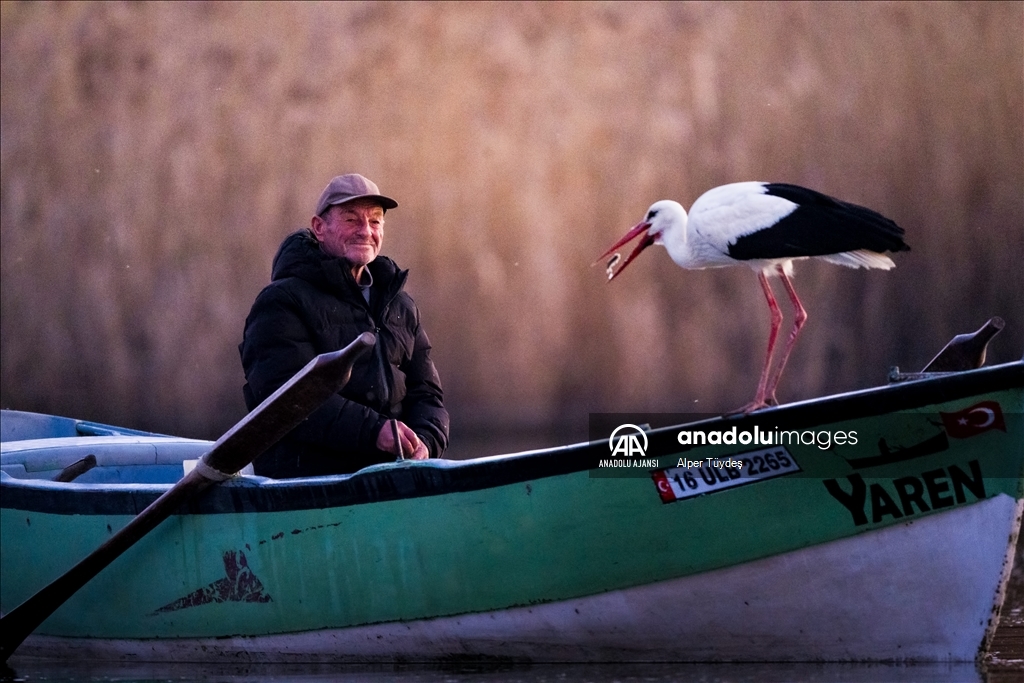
(567, 673)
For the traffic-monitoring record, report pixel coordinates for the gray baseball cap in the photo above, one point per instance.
(345, 188)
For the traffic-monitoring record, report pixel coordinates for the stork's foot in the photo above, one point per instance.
(768, 402)
(749, 408)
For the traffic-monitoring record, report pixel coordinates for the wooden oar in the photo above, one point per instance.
(76, 469)
(258, 431)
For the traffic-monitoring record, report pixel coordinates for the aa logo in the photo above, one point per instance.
(629, 443)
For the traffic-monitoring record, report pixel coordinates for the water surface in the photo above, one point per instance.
(548, 673)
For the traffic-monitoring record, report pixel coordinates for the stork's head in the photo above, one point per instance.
(663, 216)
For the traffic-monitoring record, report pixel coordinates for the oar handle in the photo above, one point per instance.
(398, 439)
(258, 431)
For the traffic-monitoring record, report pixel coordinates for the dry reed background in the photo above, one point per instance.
(154, 155)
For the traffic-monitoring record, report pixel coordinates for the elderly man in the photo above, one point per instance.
(328, 285)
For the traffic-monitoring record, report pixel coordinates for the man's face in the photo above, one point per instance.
(352, 231)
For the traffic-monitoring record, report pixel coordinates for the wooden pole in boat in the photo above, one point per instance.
(240, 445)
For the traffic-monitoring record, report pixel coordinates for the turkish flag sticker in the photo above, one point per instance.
(664, 487)
(974, 420)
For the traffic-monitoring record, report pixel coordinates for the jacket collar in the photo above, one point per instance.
(300, 256)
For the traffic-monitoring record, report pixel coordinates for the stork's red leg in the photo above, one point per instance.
(798, 322)
(776, 322)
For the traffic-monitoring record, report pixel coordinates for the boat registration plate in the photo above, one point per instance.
(710, 475)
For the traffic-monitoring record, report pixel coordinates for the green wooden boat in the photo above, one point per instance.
(722, 540)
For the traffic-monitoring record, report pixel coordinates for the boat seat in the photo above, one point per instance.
(119, 459)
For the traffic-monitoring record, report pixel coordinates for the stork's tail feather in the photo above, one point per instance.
(861, 259)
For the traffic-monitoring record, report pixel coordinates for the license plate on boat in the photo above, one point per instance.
(709, 475)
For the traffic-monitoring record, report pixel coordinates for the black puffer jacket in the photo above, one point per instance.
(313, 306)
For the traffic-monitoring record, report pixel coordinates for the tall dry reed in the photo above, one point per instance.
(154, 154)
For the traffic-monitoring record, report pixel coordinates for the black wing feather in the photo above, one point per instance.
(821, 225)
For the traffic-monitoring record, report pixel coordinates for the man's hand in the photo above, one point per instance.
(412, 447)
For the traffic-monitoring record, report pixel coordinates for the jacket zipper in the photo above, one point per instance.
(382, 365)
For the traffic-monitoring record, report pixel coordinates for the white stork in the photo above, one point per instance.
(766, 226)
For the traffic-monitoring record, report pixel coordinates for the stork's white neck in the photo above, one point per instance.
(676, 243)
(671, 219)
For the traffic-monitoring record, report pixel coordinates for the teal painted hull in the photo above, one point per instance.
(411, 542)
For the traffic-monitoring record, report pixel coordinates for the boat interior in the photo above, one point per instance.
(61, 449)
(47, 448)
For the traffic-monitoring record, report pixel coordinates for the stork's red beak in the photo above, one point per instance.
(646, 240)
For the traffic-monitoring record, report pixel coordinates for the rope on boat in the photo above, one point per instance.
(211, 473)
